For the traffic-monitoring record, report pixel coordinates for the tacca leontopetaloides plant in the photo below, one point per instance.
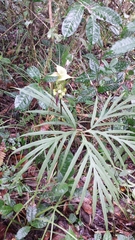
(101, 142)
(101, 134)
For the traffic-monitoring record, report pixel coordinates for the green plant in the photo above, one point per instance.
(106, 71)
(101, 134)
(65, 148)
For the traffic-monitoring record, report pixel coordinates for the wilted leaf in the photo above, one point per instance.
(87, 205)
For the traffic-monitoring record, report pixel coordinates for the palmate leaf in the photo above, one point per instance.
(92, 30)
(45, 99)
(99, 164)
(107, 14)
(123, 46)
(72, 20)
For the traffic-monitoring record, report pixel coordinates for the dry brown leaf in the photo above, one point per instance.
(45, 127)
(47, 236)
(87, 208)
(87, 205)
(2, 153)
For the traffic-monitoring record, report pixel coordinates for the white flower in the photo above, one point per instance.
(61, 74)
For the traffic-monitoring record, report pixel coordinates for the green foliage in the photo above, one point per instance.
(22, 232)
(100, 127)
(72, 21)
(124, 45)
(92, 31)
(97, 43)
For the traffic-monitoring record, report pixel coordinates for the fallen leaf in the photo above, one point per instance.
(87, 208)
(2, 153)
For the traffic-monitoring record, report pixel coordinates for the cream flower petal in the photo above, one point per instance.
(55, 74)
(61, 70)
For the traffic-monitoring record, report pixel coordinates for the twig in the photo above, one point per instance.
(50, 13)
(2, 35)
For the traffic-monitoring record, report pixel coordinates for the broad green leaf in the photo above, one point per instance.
(70, 236)
(34, 73)
(72, 20)
(22, 101)
(1, 203)
(60, 189)
(93, 62)
(24, 98)
(107, 14)
(4, 60)
(113, 62)
(114, 29)
(121, 66)
(107, 236)
(31, 212)
(63, 165)
(5, 210)
(123, 237)
(18, 207)
(72, 218)
(106, 88)
(86, 77)
(22, 232)
(131, 26)
(97, 236)
(66, 57)
(70, 2)
(92, 31)
(123, 46)
(39, 222)
(49, 78)
(87, 95)
(88, 3)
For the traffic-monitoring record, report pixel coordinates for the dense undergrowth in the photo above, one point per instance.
(67, 143)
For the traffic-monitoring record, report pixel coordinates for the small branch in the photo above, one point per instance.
(50, 13)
